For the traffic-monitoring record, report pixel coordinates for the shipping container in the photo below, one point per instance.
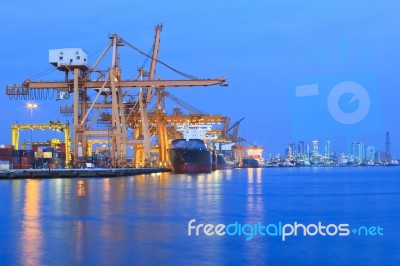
(16, 159)
(4, 165)
(60, 155)
(49, 149)
(17, 153)
(6, 152)
(26, 160)
(8, 158)
(47, 154)
(29, 153)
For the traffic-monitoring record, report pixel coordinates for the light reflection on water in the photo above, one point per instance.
(143, 219)
(255, 212)
(31, 235)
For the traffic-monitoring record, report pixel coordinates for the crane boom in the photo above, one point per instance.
(185, 105)
(235, 124)
(153, 61)
(13, 89)
(235, 128)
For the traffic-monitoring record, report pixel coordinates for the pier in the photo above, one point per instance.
(76, 173)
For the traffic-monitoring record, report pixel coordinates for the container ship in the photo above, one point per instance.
(252, 163)
(189, 157)
(224, 163)
(253, 158)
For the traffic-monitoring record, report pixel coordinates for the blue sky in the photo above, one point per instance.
(264, 48)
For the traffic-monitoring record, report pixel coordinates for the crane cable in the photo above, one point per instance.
(159, 61)
(147, 57)
(41, 74)
(185, 105)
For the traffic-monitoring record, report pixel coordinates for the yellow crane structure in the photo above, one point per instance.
(95, 90)
(16, 128)
(95, 141)
(52, 143)
(165, 121)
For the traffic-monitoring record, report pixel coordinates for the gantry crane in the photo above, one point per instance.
(16, 128)
(164, 125)
(110, 85)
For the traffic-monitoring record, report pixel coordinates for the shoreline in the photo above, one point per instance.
(76, 173)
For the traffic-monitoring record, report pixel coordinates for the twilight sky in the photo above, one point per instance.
(297, 70)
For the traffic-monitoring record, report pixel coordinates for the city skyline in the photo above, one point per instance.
(359, 149)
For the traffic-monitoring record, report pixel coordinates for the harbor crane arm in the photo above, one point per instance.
(235, 128)
(235, 124)
(22, 88)
(224, 137)
(154, 61)
(224, 132)
(185, 105)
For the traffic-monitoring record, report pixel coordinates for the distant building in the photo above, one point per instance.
(388, 152)
(291, 151)
(378, 156)
(358, 151)
(307, 149)
(315, 153)
(370, 153)
(301, 148)
(327, 149)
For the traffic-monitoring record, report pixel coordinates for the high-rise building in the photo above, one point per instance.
(301, 147)
(388, 152)
(327, 149)
(307, 149)
(315, 148)
(370, 153)
(380, 156)
(291, 151)
(358, 151)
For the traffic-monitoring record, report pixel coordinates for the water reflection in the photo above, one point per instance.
(77, 204)
(143, 219)
(81, 188)
(256, 248)
(255, 203)
(17, 196)
(106, 190)
(32, 236)
(79, 232)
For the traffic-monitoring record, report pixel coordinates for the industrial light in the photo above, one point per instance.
(31, 105)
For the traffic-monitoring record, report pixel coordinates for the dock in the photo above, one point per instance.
(76, 173)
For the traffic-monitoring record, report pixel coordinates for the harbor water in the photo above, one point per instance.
(147, 219)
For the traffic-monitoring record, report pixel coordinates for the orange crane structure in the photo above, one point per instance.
(97, 91)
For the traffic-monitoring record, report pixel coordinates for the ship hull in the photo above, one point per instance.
(214, 161)
(223, 164)
(185, 161)
(251, 163)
